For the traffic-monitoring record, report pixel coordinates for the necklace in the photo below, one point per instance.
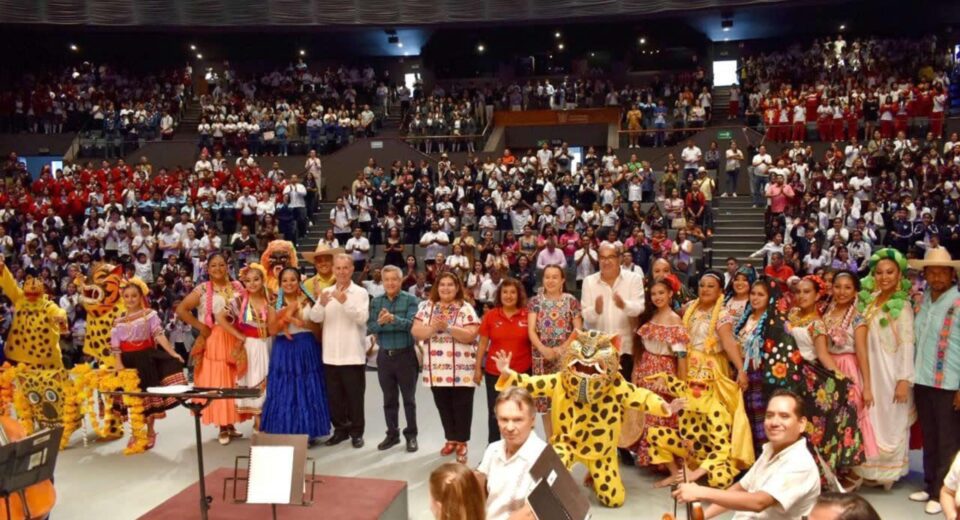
(797, 320)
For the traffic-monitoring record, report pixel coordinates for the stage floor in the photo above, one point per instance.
(100, 482)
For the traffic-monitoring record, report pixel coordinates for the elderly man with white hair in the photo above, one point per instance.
(343, 310)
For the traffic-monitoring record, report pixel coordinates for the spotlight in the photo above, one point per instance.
(193, 47)
(560, 46)
(593, 54)
(73, 47)
(303, 52)
(481, 48)
(199, 56)
(726, 24)
(843, 26)
(643, 41)
(551, 56)
(556, 34)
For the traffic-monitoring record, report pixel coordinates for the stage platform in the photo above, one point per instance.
(343, 498)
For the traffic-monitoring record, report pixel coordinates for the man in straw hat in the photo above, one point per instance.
(937, 380)
(322, 260)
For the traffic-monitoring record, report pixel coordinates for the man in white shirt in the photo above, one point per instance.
(435, 241)
(609, 299)
(247, 204)
(784, 482)
(343, 310)
(358, 247)
(760, 175)
(504, 470)
(691, 156)
(295, 195)
(314, 167)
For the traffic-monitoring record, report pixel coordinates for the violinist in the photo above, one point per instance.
(784, 482)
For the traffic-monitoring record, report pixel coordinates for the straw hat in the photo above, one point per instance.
(323, 250)
(935, 257)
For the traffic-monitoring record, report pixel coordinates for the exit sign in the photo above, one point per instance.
(724, 135)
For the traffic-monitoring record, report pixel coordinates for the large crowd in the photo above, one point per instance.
(511, 254)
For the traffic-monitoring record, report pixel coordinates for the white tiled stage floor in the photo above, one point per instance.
(100, 482)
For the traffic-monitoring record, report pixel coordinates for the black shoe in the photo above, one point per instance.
(412, 445)
(389, 442)
(357, 442)
(337, 439)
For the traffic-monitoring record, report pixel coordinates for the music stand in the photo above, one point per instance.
(27, 462)
(196, 400)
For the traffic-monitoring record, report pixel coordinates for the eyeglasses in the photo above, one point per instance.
(609, 257)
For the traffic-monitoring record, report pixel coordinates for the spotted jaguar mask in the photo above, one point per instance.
(591, 365)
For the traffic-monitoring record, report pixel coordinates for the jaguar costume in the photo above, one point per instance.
(588, 398)
(100, 295)
(713, 433)
(34, 337)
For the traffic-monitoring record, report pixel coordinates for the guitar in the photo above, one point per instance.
(34, 502)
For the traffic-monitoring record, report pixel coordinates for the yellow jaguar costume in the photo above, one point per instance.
(34, 337)
(589, 397)
(713, 433)
(100, 295)
(42, 398)
(278, 255)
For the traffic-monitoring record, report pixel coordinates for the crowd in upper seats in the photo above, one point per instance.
(266, 112)
(848, 88)
(101, 98)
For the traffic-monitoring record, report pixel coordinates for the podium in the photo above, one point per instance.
(196, 400)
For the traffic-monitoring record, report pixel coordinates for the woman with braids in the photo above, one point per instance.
(738, 292)
(219, 356)
(664, 351)
(759, 317)
(884, 302)
(847, 344)
(296, 401)
(833, 418)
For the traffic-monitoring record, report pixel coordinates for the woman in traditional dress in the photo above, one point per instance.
(134, 342)
(738, 292)
(664, 351)
(219, 357)
(751, 329)
(847, 343)
(833, 418)
(662, 267)
(885, 305)
(711, 333)
(252, 312)
(449, 326)
(296, 401)
(553, 315)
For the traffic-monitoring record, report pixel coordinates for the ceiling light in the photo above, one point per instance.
(556, 34)
(193, 47)
(643, 41)
(481, 48)
(73, 47)
(593, 54)
(199, 56)
(551, 56)
(560, 46)
(303, 52)
(843, 26)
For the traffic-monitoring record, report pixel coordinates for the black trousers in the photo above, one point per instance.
(397, 374)
(493, 428)
(455, 404)
(345, 387)
(940, 424)
(626, 366)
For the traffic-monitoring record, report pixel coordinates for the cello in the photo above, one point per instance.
(694, 509)
(36, 501)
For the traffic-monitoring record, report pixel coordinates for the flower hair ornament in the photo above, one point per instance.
(672, 281)
(868, 295)
(818, 283)
(140, 285)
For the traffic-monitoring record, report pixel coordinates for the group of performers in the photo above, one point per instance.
(843, 344)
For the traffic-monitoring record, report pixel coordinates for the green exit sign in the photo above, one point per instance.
(724, 135)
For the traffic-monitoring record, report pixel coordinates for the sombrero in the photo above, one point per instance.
(935, 257)
(323, 250)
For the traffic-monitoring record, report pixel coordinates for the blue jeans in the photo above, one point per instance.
(759, 189)
(732, 177)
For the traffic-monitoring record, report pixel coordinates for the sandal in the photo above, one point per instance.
(224, 437)
(462, 452)
(152, 441)
(448, 448)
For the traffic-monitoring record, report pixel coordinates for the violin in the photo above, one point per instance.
(694, 509)
(36, 501)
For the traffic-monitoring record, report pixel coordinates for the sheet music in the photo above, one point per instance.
(271, 475)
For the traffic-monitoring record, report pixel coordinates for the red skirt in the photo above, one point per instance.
(648, 365)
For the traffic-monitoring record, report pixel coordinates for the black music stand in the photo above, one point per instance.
(187, 399)
(27, 462)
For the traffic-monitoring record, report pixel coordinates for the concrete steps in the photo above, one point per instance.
(738, 230)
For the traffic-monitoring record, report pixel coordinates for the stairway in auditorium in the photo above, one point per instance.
(321, 222)
(720, 102)
(191, 119)
(738, 230)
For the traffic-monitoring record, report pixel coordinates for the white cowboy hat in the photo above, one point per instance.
(935, 257)
(323, 250)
